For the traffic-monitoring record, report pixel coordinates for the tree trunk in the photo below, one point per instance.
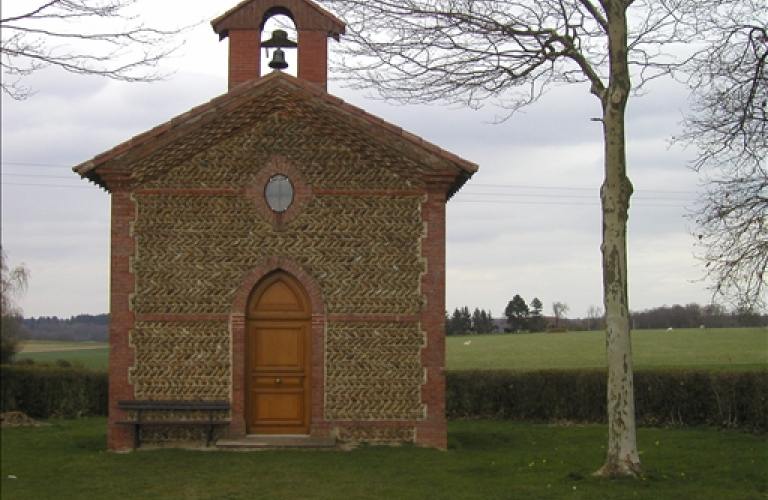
(622, 458)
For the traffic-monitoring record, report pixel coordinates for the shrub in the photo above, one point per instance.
(731, 399)
(43, 391)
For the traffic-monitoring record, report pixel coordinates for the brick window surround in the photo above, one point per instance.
(302, 191)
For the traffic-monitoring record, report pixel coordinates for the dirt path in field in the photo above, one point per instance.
(58, 347)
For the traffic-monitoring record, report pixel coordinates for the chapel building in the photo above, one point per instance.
(281, 251)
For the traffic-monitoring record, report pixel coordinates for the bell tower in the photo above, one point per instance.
(244, 24)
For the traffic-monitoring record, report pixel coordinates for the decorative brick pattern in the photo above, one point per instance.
(331, 152)
(181, 361)
(364, 251)
(376, 435)
(373, 371)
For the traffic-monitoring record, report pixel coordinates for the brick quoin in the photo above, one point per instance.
(433, 431)
(122, 321)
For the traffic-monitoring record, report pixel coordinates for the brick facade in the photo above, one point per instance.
(192, 236)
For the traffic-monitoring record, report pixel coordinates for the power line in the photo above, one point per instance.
(554, 202)
(638, 194)
(645, 198)
(46, 165)
(43, 176)
(522, 186)
(46, 185)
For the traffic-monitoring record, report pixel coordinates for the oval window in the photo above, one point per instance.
(279, 193)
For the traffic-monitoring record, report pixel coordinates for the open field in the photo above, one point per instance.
(94, 355)
(35, 346)
(726, 348)
(485, 461)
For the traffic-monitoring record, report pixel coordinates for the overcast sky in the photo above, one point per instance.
(527, 223)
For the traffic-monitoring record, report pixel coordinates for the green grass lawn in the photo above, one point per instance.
(486, 461)
(726, 348)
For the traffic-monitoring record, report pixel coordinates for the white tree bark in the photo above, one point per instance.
(623, 458)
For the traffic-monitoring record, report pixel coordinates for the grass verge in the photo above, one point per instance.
(486, 460)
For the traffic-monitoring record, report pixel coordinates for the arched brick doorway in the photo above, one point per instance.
(278, 367)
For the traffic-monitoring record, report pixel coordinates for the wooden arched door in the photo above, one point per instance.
(278, 357)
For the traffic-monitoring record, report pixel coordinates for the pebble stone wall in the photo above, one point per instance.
(359, 235)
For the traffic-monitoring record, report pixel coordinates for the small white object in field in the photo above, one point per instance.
(11, 477)
(467, 342)
(669, 329)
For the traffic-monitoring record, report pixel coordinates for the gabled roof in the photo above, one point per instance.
(121, 157)
(249, 15)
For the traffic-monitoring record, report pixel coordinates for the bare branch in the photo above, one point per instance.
(727, 124)
(596, 14)
(112, 43)
(731, 220)
(465, 51)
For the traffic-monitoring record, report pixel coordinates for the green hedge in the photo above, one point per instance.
(53, 391)
(731, 399)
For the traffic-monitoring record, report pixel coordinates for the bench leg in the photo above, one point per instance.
(136, 436)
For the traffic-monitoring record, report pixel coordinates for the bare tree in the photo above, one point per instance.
(594, 314)
(728, 124)
(559, 309)
(12, 286)
(508, 52)
(95, 37)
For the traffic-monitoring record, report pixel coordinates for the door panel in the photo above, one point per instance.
(279, 408)
(278, 347)
(279, 358)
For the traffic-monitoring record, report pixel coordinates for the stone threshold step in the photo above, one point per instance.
(276, 442)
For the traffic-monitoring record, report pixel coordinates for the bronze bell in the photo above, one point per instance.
(278, 60)
(279, 39)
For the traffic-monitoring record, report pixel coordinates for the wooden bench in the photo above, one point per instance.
(139, 406)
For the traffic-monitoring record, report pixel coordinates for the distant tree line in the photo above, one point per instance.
(693, 316)
(461, 321)
(522, 317)
(80, 328)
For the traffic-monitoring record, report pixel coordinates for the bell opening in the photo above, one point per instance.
(279, 42)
